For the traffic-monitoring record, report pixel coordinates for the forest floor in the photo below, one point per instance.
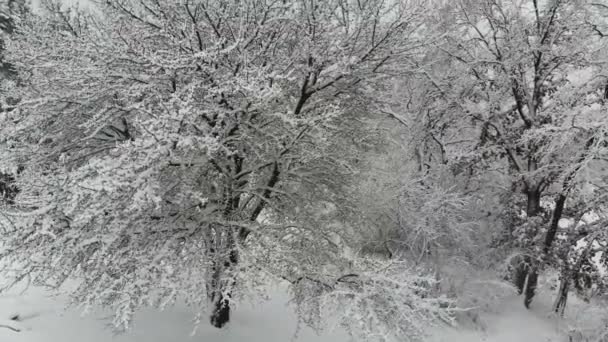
(513, 323)
(46, 320)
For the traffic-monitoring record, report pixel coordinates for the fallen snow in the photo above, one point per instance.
(46, 320)
(513, 324)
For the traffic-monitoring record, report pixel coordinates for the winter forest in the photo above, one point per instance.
(397, 167)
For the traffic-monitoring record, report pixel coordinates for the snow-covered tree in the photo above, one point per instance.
(526, 80)
(182, 148)
(11, 12)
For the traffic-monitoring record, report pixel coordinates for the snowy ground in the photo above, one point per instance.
(513, 324)
(273, 321)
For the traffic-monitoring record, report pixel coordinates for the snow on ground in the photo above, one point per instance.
(513, 324)
(45, 320)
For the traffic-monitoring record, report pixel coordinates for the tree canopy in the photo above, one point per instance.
(359, 150)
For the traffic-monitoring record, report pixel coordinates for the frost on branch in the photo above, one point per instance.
(374, 299)
(382, 301)
(156, 139)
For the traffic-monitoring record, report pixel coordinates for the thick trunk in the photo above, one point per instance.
(519, 276)
(225, 262)
(533, 203)
(533, 209)
(221, 310)
(221, 293)
(221, 289)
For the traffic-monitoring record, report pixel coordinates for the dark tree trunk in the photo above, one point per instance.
(519, 276)
(533, 203)
(532, 210)
(8, 189)
(562, 295)
(531, 286)
(557, 215)
(221, 288)
(549, 238)
(221, 293)
(221, 311)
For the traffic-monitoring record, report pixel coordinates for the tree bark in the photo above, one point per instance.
(562, 294)
(220, 290)
(519, 277)
(534, 207)
(531, 286)
(222, 295)
(529, 267)
(221, 310)
(224, 260)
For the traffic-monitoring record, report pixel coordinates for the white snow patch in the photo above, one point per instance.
(565, 223)
(513, 323)
(45, 320)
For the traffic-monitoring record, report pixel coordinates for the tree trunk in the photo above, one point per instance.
(221, 291)
(532, 210)
(531, 286)
(221, 288)
(549, 238)
(533, 203)
(562, 295)
(221, 310)
(520, 274)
